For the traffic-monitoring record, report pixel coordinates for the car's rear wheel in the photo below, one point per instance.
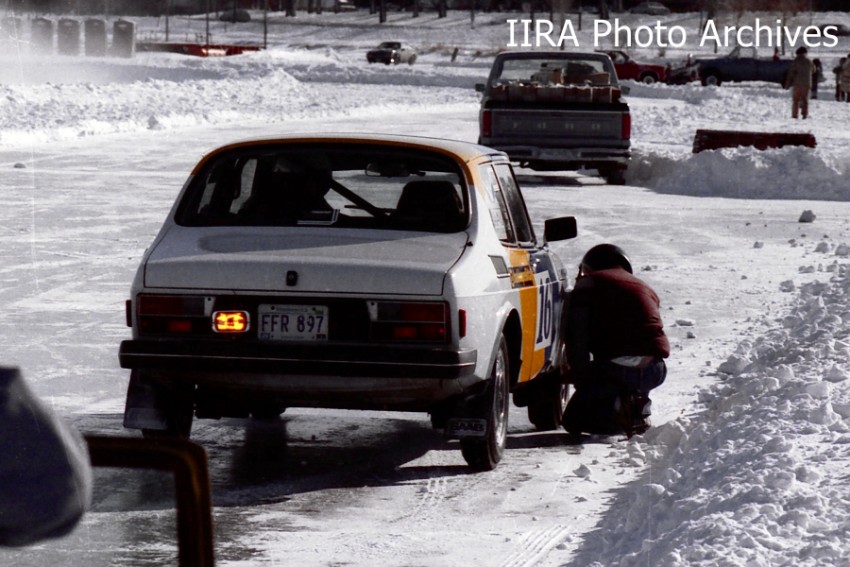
(412, 60)
(649, 78)
(267, 411)
(177, 403)
(484, 454)
(711, 79)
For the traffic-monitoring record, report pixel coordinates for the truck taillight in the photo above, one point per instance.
(627, 126)
(486, 123)
(416, 321)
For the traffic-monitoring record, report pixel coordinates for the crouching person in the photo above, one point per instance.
(616, 346)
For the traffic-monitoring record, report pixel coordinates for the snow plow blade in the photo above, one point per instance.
(715, 139)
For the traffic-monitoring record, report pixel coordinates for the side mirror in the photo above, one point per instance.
(188, 462)
(479, 87)
(561, 228)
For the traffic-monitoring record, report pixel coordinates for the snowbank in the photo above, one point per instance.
(762, 470)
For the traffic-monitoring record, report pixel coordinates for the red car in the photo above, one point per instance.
(628, 68)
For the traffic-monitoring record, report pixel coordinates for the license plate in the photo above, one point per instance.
(292, 322)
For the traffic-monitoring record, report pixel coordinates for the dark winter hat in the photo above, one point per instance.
(802, 50)
(606, 256)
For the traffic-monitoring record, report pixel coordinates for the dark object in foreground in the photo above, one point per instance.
(715, 139)
(188, 462)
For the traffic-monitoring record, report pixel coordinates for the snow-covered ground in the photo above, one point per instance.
(747, 462)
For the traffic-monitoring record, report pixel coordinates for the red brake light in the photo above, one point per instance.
(171, 305)
(179, 326)
(627, 126)
(170, 314)
(486, 123)
(461, 323)
(409, 321)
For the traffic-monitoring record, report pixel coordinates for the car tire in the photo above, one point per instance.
(711, 78)
(412, 60)
(267, 412)
(179, 410)
(484, 454)
(547, 404)
(649, 78)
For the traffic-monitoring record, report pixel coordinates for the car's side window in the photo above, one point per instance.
(516, 206)
(498, 207)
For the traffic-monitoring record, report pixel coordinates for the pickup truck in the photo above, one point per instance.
(555, 110)
(742, 64)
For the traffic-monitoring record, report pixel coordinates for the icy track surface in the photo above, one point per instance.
(747, 462)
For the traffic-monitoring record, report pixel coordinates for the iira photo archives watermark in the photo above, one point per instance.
(543, 33)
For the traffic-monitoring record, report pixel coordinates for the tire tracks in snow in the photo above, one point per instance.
(536, 545)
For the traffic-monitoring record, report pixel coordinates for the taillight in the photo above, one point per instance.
(461, 323)
(486, 123)
(231, 322)
(409, 321)
(627, 126)
(170, 314)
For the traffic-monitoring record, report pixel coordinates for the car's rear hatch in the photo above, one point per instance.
(303, 260)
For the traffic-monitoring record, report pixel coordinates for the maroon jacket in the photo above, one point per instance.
(612, 313)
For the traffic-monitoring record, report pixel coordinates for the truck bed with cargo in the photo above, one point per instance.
(554, 110)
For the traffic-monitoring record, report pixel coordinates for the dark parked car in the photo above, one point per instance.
(742, 65)
(391, 52)
(835, 29)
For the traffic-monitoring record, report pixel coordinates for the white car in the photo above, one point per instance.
(346, 271)
(392, 52)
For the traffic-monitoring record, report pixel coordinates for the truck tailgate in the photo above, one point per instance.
(557, 126)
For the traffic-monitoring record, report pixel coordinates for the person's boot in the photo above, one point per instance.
(633, 411)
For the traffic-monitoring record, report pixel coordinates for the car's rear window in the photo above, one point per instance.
(553, 70)
(312, 184)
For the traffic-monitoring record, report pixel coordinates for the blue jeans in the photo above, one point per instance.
(591, 408)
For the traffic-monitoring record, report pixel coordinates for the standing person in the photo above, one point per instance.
(616, 346)
(799, 80)
(845, 79)
(839, 94)
(817, 76)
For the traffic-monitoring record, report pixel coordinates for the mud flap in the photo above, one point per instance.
(468, 418)
(465, 427)
(142, 410)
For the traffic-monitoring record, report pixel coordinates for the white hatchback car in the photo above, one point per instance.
(348, 271)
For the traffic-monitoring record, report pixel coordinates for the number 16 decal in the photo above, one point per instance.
(545, 311)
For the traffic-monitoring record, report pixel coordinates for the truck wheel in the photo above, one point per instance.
(649, 78)
(484, 454)
(710, 79)
(614, 176)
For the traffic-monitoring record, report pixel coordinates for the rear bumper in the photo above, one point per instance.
(576, 158)
(400, 361)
